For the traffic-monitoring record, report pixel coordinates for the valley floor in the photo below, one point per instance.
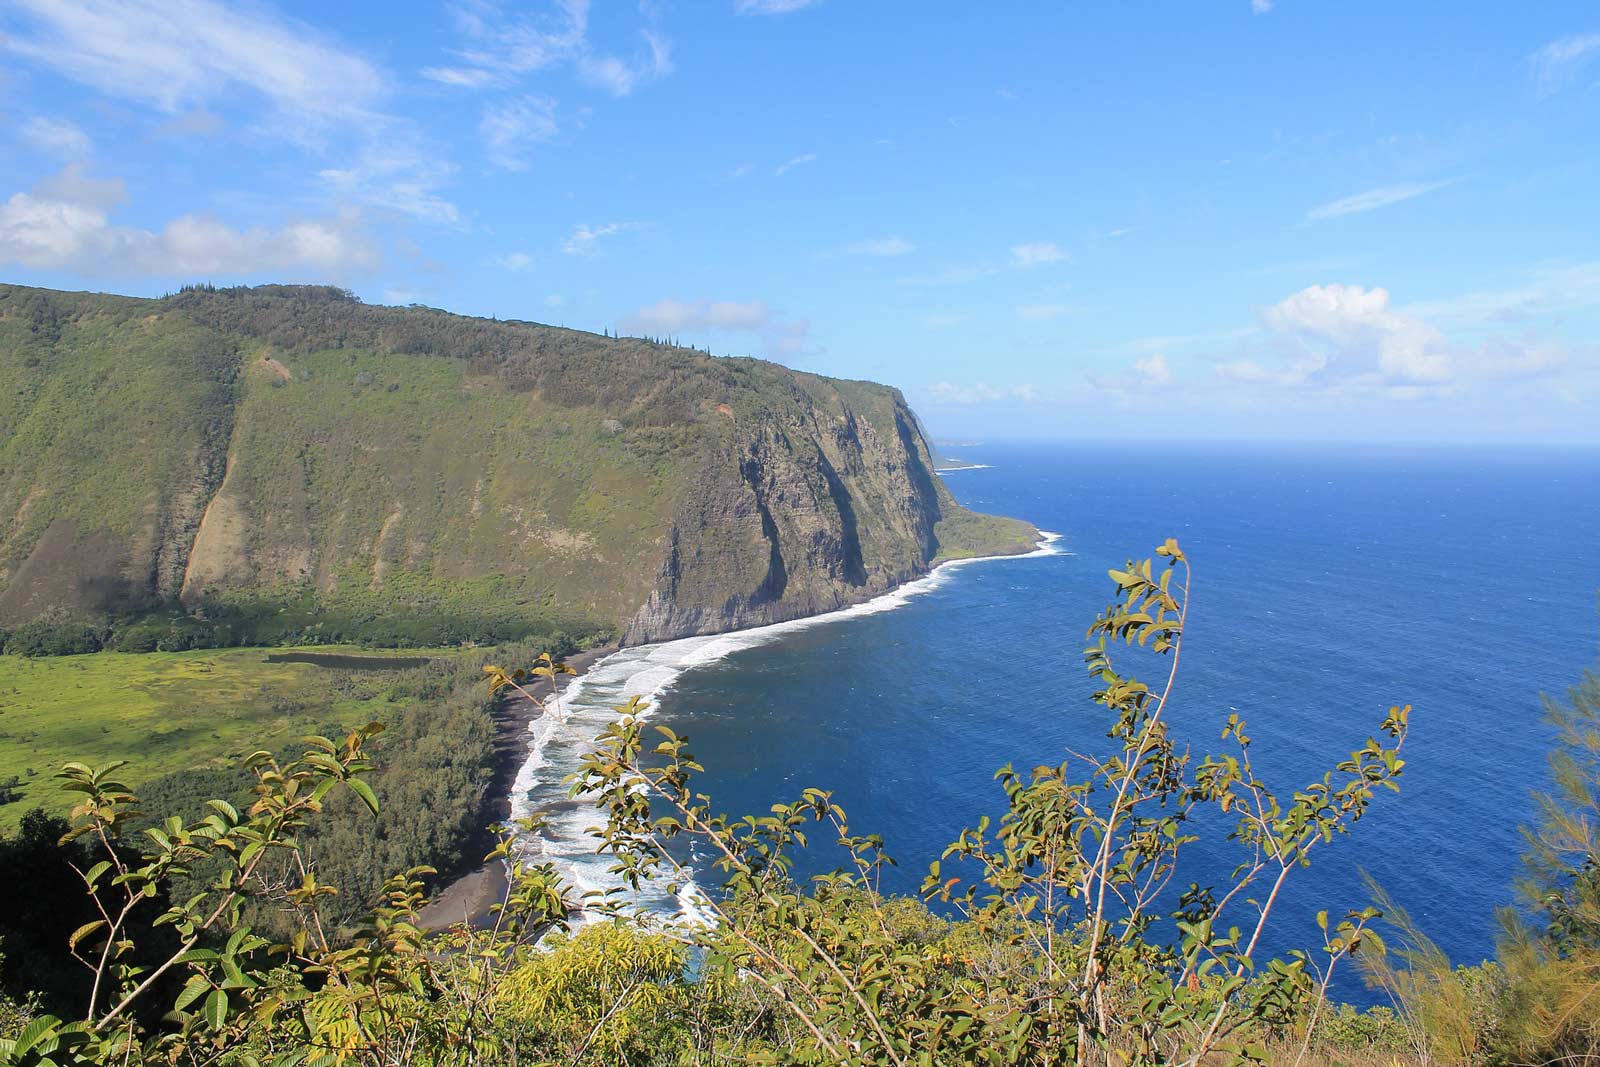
(166, 711)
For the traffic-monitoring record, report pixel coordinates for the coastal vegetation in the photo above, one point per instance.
(171, 712)
(1059, 933)
(287, 465)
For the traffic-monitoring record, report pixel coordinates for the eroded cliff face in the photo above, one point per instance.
(805, 512)
(240, 450)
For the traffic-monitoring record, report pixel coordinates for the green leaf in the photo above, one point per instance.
(216, 1009)
(192, 991)
(32, 1034)
(364, 791)
(84, 931)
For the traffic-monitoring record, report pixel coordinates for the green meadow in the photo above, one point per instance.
(164, 711)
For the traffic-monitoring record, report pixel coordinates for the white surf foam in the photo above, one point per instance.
(560, 737)
(967, 467)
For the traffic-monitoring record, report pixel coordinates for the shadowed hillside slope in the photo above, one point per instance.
(277, 447)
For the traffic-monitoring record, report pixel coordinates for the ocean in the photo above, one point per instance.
(1329, 584)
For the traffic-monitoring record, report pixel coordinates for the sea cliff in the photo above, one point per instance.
(292, 449)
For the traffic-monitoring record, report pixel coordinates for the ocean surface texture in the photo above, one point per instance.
(1329, 584)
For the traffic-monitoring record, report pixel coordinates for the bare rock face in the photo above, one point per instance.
(803, 515)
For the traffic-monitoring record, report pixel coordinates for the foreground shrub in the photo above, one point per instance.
(1063, 938)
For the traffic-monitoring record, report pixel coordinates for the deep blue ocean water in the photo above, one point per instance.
(1328, 585)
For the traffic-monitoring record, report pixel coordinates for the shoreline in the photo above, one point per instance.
(470, 897)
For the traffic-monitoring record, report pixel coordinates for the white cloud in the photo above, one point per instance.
(1260, 7)
(619, 77)
(1153, 371)
(1149, 373)
(64, 224)
(1556, 65)
(510, 127)
(1042, 311)
(180, 53)
(770, 7)
(671, 317)
(1294, 373)
(502, 46)
(883, 246)
(396, 173)
(788, 165)
(966, 393)
(1552, 289)
(1373, 199)
(1346, 339)
(461, 77)
(1360, 324)
(1037, 254)
(1347, 336)
(583, 240)
(57, 137)
(515, 261)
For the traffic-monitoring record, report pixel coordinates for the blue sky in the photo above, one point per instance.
(1289, 220)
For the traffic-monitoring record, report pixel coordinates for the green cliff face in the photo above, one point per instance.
(291, 446)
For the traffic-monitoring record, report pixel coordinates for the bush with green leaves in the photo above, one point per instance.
(1538, 1002)
(1059, 935)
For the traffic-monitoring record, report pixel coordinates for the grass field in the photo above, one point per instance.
(162, 712)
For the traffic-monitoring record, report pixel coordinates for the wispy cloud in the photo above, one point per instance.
(398, 174)
(584, 240)
(1042, 311)
(510, 127)
(1373, 199)
(771, 7)
(502, 47)
(883, 246)
(1149, 373)
(1260, 7)
(1552, 289)
(64, 223)
(1037, 254)
(57, 137)
(788, 165)
(968, 393)
(181, 53)
(499, 46)
(515, 261)
(1557, 64)
(672, 317)
(619, 77)
(301, 86)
